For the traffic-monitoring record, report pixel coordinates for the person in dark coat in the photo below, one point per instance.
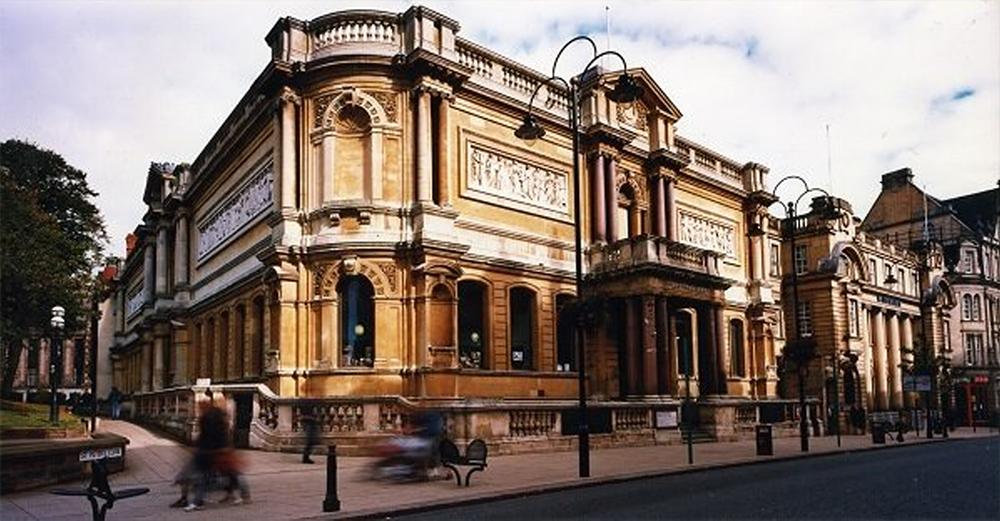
(213, 438)
(310, 423)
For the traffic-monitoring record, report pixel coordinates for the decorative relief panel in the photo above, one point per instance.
(633, 115)
(707, 234)
(251, 201)
(327, 107)
(512, 182)
(388, 102)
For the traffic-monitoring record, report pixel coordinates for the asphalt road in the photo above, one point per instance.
(955, 480)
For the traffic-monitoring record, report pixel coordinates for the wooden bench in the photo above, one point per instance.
(475, 457)
(99, 488)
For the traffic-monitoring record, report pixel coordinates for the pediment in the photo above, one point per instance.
(653, 98)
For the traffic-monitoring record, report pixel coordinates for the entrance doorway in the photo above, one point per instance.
(242, 420)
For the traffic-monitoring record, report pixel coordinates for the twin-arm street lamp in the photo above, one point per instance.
(626, 91)
(800, 350)
(55, 360)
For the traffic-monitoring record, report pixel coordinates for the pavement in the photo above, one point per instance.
(284, 488)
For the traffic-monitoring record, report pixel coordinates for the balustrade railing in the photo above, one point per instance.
(632, 419)
(363, 27)
(647, 249)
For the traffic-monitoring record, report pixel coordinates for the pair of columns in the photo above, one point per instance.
(652, 359)
(428, 191)
(891, 333)
(155, 276)
(604, 201)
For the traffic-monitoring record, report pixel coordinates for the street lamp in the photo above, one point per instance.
(626, 91)
(55, 355)
(800, 350)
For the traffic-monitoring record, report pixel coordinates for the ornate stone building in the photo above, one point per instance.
(364, 234)
(867, 304)
(966, 227)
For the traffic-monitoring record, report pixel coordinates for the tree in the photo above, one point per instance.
(51, 239)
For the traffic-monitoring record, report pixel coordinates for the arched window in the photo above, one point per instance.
(977, 308)
(625, 220)
(737, 359)
(685, 343)
(240, 339)
(195, 369)
(357, 320)
(522, 328)
(208, 357)
(565, 334)
(966, 307)
(471, 320)
(222, 350)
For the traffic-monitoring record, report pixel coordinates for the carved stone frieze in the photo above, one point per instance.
(252, 200)
(388, 102)
(510, 180)
(633, 115)
(383, 277)
(326, 108)
(707, 234)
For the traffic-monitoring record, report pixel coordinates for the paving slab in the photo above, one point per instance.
(284, 488)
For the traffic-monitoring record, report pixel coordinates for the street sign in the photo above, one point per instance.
(981, 379)
(923, 383)
(96, 454)
(666, 419)
(909, 383)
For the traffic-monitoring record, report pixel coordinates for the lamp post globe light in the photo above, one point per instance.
(802, 348)
(626, 91)
(58, 322)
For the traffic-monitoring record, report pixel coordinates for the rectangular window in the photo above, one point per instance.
(801, 259)
(775, 261)
(915, 284)
(974, 349)
(872, 271)
(888, 272)
(901, 276)
(968, 261)
(804, 320)
(946, 327)
(854, 317)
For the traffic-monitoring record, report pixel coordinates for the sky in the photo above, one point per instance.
(113, 85)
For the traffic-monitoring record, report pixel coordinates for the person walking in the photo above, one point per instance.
(212, 456)
(310, 423)
(115, 398)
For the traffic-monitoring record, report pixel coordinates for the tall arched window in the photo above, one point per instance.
(357, 320)
(565, 334)
(626, 219)
(194, 370)
(685, 343)
(240, 339)
(737, 358)
(257, 357)
(522, 328)
(966, 307)
(223, 349)
(977, 308)
(208, 368)
(471, 321)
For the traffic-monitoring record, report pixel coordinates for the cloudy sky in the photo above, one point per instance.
(114, 85)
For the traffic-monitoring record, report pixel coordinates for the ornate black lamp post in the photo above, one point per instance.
(626, 90)
(801, 349)
(55, 362)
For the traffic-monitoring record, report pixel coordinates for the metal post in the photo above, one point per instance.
(687, 402)
(331, 503)
(581, 371)
(803, 428)
(94, 310)
(55, 353)
(836, 395)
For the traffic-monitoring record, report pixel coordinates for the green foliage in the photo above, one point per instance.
(51, 239)
(15, 415)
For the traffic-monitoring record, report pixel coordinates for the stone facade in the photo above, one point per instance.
(966, 227)
(365, 232)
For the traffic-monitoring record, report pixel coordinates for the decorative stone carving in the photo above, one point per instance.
(504, 179)
(383, 277)
(388, 102)
(252, 200)
(389, 270)
(633, 115)
(707, 234)
(637, 183)
(327, 107)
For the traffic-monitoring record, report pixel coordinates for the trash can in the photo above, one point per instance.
(765, 441)
(878, 434)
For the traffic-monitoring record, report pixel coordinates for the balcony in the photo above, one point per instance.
(645, 251)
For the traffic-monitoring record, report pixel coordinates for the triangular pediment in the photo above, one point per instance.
(653, 97)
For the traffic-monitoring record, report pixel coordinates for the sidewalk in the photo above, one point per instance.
(283, 488)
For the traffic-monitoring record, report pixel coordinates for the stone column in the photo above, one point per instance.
(649, 356)
(633, 346)
(611, 200)
(328, 153)
(881, 378)
(444, 152)
(149, 272)
(660, 206)
(907, 344)
(161, 260)
(720, 349)
(671, 209)
(288, 166)
(181, 251)
(598, 217)
(424, 160)
(665, 338)
(895, 372)
(160, 345)
(146, 367)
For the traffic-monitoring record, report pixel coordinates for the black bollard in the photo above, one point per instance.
(331, 503)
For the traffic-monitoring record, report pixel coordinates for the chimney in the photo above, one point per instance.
(130, 241)
(897, 179)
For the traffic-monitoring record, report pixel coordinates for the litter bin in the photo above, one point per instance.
(765, 441)
(878, 434)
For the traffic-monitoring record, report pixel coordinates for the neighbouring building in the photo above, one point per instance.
(867, 304)
(365, 235)
(966, 227)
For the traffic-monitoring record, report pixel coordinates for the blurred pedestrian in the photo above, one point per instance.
(310, 423)
(214, 455)
(115, 398)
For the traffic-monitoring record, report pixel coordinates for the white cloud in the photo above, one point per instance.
(113, 86)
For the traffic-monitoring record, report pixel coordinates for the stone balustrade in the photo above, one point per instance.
(649, 250)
